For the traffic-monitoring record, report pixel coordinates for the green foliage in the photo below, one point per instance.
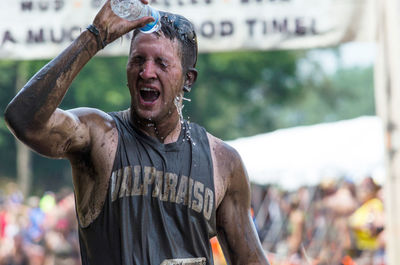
(345, 94)
(236, 94)
(102, 84)
(247, 93)
(8, 71)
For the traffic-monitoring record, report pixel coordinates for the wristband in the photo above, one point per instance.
(100, 43)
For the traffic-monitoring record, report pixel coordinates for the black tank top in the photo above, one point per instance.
(160, 204)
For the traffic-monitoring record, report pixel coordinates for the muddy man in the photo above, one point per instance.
(150, 187)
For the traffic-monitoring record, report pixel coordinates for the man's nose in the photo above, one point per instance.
(148, 70)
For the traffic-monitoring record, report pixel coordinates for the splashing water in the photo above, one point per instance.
(179, 107)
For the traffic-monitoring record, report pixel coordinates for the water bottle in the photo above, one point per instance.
(135, 9)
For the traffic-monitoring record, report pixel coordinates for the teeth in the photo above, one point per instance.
(147, 89)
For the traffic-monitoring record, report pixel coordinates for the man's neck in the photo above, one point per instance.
(166, 131)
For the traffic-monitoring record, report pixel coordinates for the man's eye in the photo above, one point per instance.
(137, 60)
(162, 63)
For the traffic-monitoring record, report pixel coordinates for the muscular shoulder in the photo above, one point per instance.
(228, 166)
(94, 118)
(95, 125)
(102, 135)
(67, 133)
(226, 156)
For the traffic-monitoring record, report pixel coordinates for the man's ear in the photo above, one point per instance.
(190, 78)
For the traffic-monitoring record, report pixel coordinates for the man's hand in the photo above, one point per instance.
(111, 26)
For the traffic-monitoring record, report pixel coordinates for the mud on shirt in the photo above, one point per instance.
(160, 205)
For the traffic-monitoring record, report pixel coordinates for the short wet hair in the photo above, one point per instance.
(174, 26)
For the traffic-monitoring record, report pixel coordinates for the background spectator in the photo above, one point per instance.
(295, 227)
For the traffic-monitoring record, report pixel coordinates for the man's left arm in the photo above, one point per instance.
(235, 228)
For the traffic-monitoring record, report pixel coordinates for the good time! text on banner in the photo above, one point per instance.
(33, 29)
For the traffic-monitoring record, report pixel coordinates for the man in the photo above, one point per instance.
(150, 188)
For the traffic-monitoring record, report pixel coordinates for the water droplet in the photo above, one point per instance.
(179, 107)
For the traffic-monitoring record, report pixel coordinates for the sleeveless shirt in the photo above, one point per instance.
(160, 204)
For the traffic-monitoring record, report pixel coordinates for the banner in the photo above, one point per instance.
(32, 29)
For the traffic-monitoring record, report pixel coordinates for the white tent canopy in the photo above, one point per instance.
(309, 154)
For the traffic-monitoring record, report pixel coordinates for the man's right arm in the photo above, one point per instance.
(33, 115)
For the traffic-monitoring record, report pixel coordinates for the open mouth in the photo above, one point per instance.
(149, 95)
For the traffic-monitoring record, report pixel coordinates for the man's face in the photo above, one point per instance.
(155, 76)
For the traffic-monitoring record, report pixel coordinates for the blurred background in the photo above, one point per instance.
(290, 84)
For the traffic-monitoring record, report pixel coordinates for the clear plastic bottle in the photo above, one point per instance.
(135, 9)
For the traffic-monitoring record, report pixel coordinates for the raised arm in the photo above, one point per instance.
(235, 229)
(33, 115)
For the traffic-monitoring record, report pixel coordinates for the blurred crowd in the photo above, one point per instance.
(38, 230)
(335, 222)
